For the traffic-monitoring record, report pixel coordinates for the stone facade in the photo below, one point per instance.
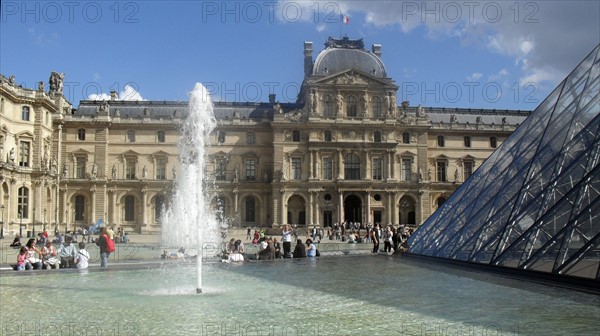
(345, 151)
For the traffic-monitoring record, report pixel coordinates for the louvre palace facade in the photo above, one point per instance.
(346, 150)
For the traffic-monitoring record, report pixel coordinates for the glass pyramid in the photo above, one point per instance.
(534, 204)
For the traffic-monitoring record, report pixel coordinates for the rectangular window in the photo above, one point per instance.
(130, 136)
(130, 169)
(468, 166)
(25, 113)
(81, 134)
(377, 169)
(80, 167)
(161, 169)
(493, 142)
(406, 138)
(220, 170)
(250, 138)
(24, 153)
(23, 202)
(441, 171)
(327, 168)
(406, 169)
(296, 168)
(220, 136)
(160, 136)
(250, 169)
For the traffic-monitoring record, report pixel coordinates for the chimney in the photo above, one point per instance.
(376, 48)
(272, 98)
(114, 95)
(308, 61)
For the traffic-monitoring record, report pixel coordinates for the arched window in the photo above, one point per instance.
(250, 209)
(376, 107)
(328, 106)
(352, 167)
(129, 208)
(377, 136)
(79, 208)
(351, 106)
(440, 201)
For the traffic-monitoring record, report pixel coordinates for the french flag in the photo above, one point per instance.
(345, 19)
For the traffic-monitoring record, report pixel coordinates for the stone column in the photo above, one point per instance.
(283, 207)
(310, 208)
(115, 212)
(368, 207)
(311, 160)
(340, 164)
(235, 204)
(392, 164)
(341, 207)
(93, 191)
(394, 208)
(144, 223)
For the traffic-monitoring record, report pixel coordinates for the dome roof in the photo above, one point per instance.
(336, 59)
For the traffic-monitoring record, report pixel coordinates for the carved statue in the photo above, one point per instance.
(54, 167)
(284, 168)
(11, 155)
(12, 79)
(144, 172)
(103, 110)
(235, 175)
(392, 104)
(421, 112)
(41, 86)
(65, 171)
(312, 102)
(419, 174)
(503, 120)
(174, 170)
(339, 99)
(278, 109)
(94, 170)
(56, 82)
(457, 174)
(364, 102)
(478, 120)
(453, 119)
(429, 175)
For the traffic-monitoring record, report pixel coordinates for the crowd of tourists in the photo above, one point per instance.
(60, 253)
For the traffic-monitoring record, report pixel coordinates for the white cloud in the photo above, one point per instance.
(498, 75)
(128, 93)
(43, 39)
(321, 27)
(474, 77)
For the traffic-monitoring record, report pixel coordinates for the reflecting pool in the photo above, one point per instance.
(348, 295)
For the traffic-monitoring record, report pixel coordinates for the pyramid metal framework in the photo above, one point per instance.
(534, 204)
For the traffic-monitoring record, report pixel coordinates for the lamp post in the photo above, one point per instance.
(44, 220)
(33, 224)
(66, 221)
(20, 222)
(2, 228)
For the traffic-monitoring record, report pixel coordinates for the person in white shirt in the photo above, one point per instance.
(81, 260)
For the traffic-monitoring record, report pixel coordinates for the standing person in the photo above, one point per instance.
(375, 240)
(286, 238)
(103, 243)
(387, 239)
(82, 257)
(277, 248)
(248, 233)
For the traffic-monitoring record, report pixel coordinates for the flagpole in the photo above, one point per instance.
(341, 23)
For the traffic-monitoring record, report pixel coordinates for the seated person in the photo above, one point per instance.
(16, 242)
(311, 249)
(299, 250)
(49, 257)
(82, 257)
(351, 239)
(67, 253)
(32, 262)
(125, 238)
(267, 253)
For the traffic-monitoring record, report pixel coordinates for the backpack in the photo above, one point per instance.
(110, 244)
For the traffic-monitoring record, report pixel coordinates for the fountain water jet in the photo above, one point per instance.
(189, 222)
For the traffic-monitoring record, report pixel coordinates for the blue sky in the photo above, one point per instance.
(476, 54)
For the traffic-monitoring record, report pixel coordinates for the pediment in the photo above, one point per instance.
(351, 77)
(81, 151)
(129, 153)
(160, 153)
